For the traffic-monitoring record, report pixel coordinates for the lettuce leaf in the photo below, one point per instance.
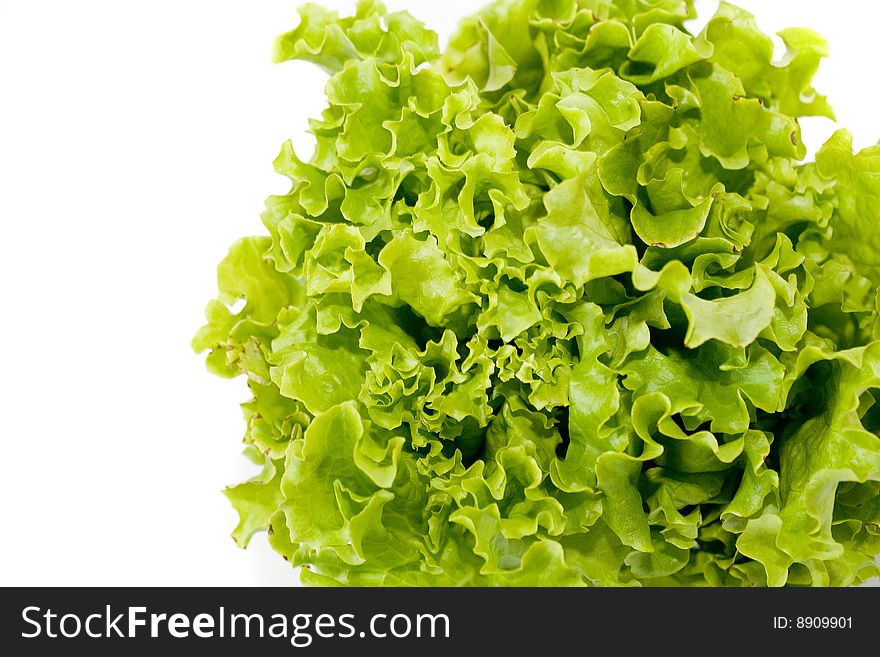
(561, 305)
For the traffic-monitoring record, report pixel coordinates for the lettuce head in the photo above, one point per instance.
(561, 305)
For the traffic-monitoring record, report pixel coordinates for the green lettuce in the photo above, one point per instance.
(561, 305)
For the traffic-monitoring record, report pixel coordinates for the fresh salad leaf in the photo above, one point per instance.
(561, 305)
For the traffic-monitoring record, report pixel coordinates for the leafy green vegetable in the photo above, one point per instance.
(562, 305)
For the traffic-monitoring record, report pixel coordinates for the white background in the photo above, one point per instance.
(136, 142)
